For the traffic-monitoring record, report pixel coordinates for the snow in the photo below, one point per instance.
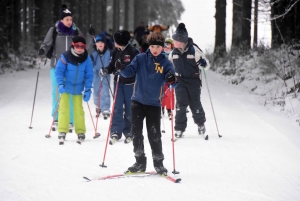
(258, 157)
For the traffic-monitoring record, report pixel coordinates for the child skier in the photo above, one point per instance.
(166, 100)
(152, 69)
(121, 56)
(101, 58)
(187, 59)
(74, 74)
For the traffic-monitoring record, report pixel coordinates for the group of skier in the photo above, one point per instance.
(142, 82)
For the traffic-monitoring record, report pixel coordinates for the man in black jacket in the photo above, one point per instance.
(122, 55)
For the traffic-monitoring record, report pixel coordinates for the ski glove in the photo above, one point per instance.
(170, 78)
(61, 89)
(103, 72)
(202, 62)
(87, 95)
(120, 65)
(41, 52)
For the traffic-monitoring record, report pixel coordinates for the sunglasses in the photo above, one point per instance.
(77, 46)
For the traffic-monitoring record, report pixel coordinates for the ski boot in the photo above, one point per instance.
(169, 114)
(61, 137)
(71, 127)
(139, 166)
(201, 131)
(113, 138)
(159, 167)
(54, 125)
(128, 139)
(81, 137)
(106, 114)
(98, 111)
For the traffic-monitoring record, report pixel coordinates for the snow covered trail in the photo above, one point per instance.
(258, 157)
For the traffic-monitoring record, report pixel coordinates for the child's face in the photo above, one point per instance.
(155, 49)
(79, 47)
(67, 21)
(179, 45)
(168, 47)
(100, 45)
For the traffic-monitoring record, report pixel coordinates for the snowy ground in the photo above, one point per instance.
(258, 157)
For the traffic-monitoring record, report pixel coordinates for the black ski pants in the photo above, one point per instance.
(152, 114)
(188, 94)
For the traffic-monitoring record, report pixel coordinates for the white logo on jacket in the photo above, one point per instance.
(190, 56)
(175, 56)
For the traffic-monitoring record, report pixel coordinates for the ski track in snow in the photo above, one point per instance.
(258, 157)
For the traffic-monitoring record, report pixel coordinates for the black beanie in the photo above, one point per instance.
(181, 34)
(122, 37)
(64, 12)
(78, 39)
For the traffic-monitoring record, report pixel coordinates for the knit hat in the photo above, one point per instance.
(78, 39)
(181, 34)
(64, 12)
(100, 37)
(169, 40)
(122, 37)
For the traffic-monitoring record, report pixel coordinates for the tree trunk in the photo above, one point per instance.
(116, 15)
(16, 31)
(255, 23)
(220, 38)
(126, 15)
(24, 20)
(246, 24)
(103, 15)
(237, 22)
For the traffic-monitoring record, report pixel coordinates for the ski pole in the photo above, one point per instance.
(172, 129)
(162, 119)
(36, 84)
(91, 115)
(163, 122)
(99, 97)
(110, 123)
(54, 116)
(211, 101)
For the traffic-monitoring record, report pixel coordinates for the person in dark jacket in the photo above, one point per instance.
(121, 56)
(74, 75)
(187, 59)
(152, 69)
(64, 30)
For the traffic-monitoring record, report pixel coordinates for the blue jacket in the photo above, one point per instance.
(150, 77)
(105, 58)
(76, 77)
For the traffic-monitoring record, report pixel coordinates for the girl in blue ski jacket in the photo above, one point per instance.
(101, 59)
(74, 74)
(152, 69)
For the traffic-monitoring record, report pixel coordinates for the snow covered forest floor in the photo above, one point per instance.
(258, 157)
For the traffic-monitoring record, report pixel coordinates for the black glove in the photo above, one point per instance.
(170, 78)
(120, 64)
(41, 52)
(202, 62)
(168, 26)
(103, 72)
(92, 31)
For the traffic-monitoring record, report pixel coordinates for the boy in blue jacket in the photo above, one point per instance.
(74, 74)
(152, 69)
